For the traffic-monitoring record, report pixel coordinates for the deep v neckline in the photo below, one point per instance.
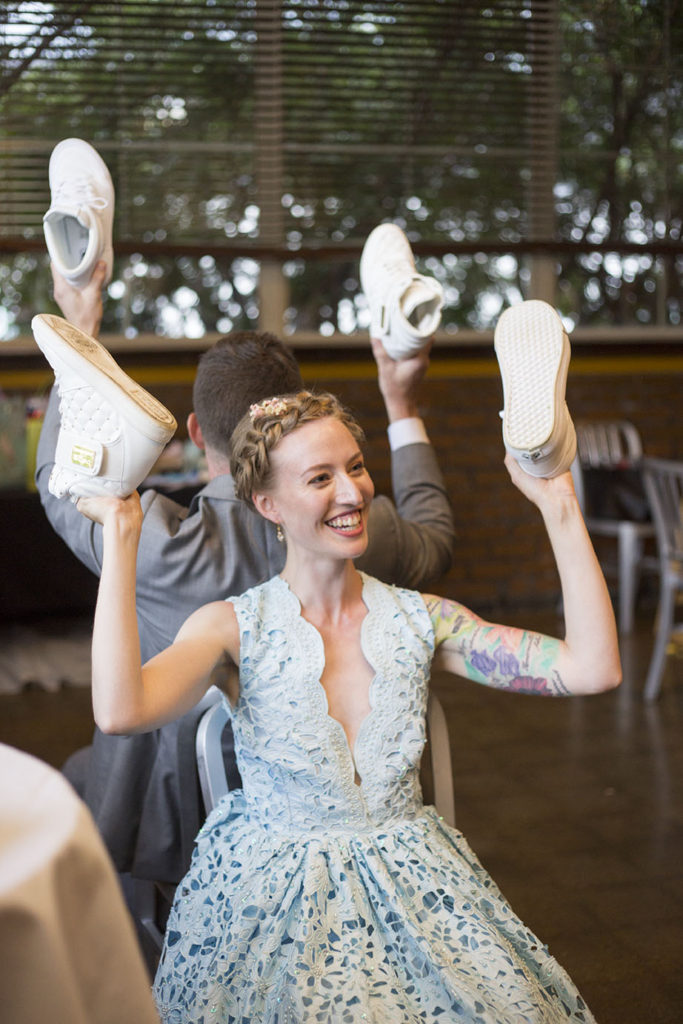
(350, 749)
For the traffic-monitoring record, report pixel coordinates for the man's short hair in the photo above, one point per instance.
(240, 368)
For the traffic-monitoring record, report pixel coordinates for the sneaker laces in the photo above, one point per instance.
(78, 191)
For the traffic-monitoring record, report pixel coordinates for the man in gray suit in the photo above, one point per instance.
(142, 789)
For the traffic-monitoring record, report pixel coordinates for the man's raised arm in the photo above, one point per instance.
(412, 541)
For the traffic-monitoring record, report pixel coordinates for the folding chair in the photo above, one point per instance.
(609, 487)
(663, 480)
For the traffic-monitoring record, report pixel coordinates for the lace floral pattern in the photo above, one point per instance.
(313, 899)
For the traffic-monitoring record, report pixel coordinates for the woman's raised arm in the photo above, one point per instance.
(128, 697)
(586, 660)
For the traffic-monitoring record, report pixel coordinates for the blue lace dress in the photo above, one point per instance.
(313, 899)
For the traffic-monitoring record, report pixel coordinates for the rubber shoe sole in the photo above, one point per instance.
(533, 353)
(112, 430)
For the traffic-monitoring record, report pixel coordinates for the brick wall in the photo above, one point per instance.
(503, 558)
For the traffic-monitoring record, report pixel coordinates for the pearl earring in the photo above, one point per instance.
(279, 534)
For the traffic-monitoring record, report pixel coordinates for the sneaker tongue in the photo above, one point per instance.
(79, 213)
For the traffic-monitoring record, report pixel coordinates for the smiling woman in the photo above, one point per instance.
(328, 496)
(324, 889)
(270, 421)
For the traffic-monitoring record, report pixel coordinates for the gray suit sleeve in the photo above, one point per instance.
(411, 542)
(80, 534)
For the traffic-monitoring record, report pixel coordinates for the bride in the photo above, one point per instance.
(324, 890)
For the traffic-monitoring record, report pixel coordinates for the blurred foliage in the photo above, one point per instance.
(418, 113)
(621, 170)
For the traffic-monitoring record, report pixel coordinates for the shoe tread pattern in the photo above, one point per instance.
(529, 350)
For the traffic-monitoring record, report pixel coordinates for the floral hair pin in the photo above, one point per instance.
(267, 407)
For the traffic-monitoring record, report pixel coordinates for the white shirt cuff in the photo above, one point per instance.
(407, 431)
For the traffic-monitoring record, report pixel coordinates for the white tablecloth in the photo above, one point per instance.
(68, 952)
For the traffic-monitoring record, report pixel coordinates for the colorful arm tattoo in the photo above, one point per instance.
(499, 656)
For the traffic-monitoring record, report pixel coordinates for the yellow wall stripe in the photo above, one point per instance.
(440, 369)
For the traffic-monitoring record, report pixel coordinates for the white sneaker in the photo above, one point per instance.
(533, 353)
(112, 430)
(78, 225)
(405, 307)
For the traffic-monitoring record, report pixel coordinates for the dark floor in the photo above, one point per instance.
(574, 806)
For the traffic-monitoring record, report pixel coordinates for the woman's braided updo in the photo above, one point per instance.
(266, 423)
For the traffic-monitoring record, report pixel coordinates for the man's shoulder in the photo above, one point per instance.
(165, 504)
(217, 533)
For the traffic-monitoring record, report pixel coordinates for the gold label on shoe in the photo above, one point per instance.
(83, 457)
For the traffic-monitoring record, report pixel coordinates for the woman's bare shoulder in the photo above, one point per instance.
(217, 620)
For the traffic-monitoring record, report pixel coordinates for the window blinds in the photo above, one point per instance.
(281, 125)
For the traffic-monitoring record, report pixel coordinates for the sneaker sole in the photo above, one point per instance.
(373, 248)
(63, 343)
(533, 355)
(375, 244)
